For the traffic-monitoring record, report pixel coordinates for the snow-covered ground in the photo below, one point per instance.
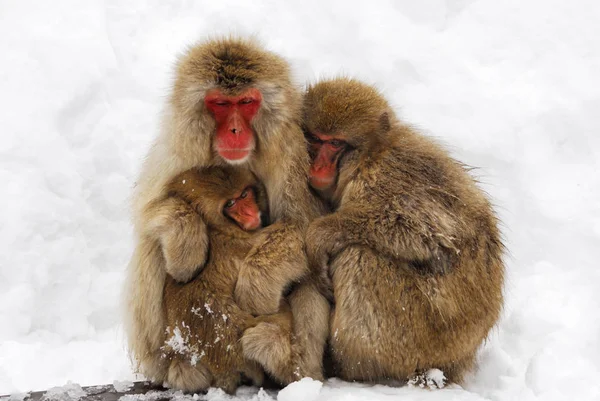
(511, 86)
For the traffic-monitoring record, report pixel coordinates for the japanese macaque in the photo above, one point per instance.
(412, 248)
(204, 323)
(232, 103)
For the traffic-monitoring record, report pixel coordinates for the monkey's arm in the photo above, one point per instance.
(270, 267)
(182, 235)
(414, 243)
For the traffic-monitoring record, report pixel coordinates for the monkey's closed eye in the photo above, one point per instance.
(336, 143)
(229, 204)
(312, 139)
(246, 101)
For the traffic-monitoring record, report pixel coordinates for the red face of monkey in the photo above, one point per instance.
(325, 151)
(244, 210)
(234, 139)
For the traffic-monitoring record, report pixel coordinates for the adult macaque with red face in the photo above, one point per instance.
(326, 151)
(232, 103)
(234, 139)
(412, 248)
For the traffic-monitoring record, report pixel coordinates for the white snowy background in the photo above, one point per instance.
(510, 86)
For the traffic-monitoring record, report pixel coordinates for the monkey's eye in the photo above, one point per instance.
(312, 138)
(244, 194)
(221, 103)
(246, 101)
(229, 204)
(336, 143)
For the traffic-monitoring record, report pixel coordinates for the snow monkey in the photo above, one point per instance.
(232, 103)
(412, 248)
(204, 323)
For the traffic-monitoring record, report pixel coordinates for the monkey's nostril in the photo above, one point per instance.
(234, 130)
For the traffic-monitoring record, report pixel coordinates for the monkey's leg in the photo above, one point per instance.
(290, 356)
(183, 376)
(145, 324)
(269, 268)
(182, 235)
(311, 329)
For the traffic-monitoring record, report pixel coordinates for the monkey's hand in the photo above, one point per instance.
(276, 261)
(182, 235)
(323, 242)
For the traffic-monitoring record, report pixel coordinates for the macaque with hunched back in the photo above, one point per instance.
(203, 321)
(232, 103)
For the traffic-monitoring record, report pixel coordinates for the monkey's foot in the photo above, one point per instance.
(228, 383)
(270, 346)
(183, 376)
(255, 373)
(432, 379)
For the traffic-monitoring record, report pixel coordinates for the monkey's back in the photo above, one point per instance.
(391, 320)
(204, 323)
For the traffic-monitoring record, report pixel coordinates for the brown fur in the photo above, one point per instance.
(204, 323)
(413, 248)
(172, 238)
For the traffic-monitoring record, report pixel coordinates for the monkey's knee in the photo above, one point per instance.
(183, 376)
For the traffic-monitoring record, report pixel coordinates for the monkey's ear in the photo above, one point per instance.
(384, 122)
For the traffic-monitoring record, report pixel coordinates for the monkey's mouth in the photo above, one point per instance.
(253, 224)
(319, 182)
(235, 155)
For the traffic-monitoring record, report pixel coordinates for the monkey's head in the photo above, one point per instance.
(344, 120)
(233, 93)
(223, 196)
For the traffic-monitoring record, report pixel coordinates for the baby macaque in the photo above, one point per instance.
(204, 323)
